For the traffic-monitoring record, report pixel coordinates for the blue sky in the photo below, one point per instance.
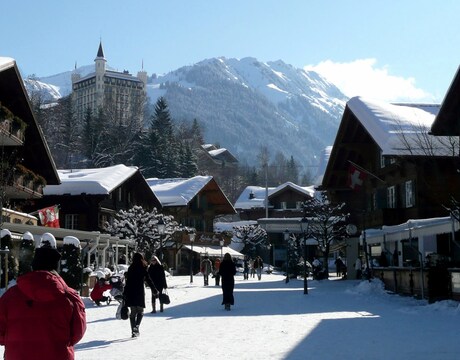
(392, 50)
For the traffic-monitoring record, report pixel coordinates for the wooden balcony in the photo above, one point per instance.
(20, 188)
(10, 135)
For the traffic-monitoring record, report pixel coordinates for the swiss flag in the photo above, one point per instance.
(355, 178)
(49, 216)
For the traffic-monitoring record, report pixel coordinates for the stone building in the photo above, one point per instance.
(124, 92)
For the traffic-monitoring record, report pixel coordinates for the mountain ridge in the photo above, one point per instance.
(244, 104)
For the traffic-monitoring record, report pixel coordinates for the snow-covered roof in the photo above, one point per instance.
(398, 128)
(217, 151)
(177, 192)
(99, 181)
(253, 197)
(6, 62)
(307, 190)
(412, 228)
(214, 250)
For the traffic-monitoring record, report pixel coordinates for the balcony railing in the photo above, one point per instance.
(11, 134)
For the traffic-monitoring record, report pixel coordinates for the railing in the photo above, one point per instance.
(8, 128)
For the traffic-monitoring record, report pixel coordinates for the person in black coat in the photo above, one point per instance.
(157, 274)
(227, 271)
(134, 293)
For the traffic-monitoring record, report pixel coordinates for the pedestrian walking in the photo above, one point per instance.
(359, 268)
(206, 269)
(41, 313)
(245, 268)
(216, 271)
(258, 265)
(157, 275)
(134, 293)
(227, 271)
(251, 267)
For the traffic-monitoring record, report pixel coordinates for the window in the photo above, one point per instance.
(382, 160)
(283, 205)
(71, 221)
(374, 203)
(409, 191)
(391, 197)
(119, 194)
(299, 204)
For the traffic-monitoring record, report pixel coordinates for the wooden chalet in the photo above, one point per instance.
(196, 203)
(284, 201)
(283, 211)
(389, 170)
(26, 163)
(88, 198)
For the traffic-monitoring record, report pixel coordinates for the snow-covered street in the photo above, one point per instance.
(274, 320)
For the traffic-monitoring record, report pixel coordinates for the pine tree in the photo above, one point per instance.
(159, 145)
(71, 269)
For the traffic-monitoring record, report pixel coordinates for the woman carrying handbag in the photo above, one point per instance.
(158, 276)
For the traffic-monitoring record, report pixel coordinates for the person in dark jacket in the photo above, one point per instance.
(157, 274)
(134, 293)
(41, 313)
(227, 271)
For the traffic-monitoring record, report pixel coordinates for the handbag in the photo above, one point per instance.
(124, 311)
(164, 298)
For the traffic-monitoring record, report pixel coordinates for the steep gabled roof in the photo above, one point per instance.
(447, 121)
(13, 95)
(253, 197)
(179, 192)
(99, 181)
(396, 128)
(367, 126)
(304, 190)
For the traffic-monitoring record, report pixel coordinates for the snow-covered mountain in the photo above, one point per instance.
(244, 104)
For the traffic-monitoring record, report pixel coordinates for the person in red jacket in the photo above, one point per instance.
(97, 294)
(41, 317)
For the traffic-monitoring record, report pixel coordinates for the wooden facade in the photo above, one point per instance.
(89, 212)
(26, 164)
(398, 186)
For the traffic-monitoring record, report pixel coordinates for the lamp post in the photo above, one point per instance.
(304, 226)
(161, 230)
(192, 239)
(221, 247)
(286, 238)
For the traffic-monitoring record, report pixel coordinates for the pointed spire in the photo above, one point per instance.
(100, 52)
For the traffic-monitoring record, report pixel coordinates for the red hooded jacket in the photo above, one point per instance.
(41, 318)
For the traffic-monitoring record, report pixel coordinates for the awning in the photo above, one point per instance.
(214, 251)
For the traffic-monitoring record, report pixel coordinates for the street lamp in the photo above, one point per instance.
(286, 238)
(304, 227)
(191, 236)
(161, 226)
(221, 247)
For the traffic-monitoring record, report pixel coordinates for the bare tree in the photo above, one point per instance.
(252, 236)
(326, 223)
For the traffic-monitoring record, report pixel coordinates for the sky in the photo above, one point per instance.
(337, 319)
(392, 51)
